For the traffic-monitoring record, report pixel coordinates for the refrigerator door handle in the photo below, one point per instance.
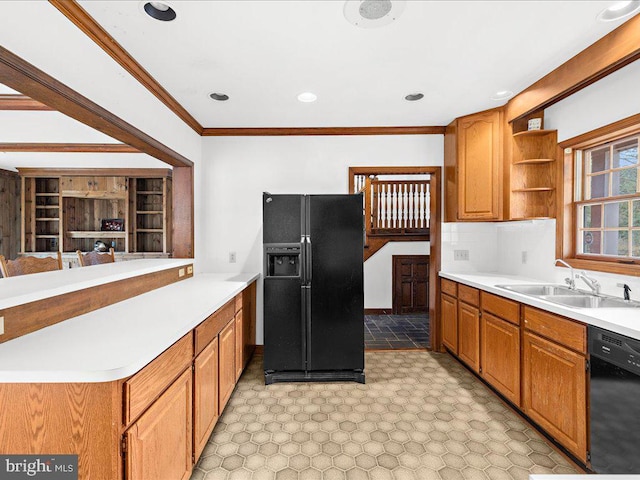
(309, 264)
(304, 333)
(308, 325)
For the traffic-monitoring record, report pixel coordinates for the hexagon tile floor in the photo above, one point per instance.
(419, 416)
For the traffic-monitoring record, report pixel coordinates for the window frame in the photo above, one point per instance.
(570, 171)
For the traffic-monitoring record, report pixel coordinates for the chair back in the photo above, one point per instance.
(27, 265)
(95, 258)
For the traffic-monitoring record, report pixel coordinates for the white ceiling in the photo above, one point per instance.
(264, 53)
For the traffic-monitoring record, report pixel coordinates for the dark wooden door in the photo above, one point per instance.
(410, 284)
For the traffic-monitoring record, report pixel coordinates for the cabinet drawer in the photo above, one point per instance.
(561, 330)
(449, 287)
(469, 295)
(503, 308)
(239, 302)
(211, 327)
(146, 385)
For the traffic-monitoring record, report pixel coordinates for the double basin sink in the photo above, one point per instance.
(570, 297)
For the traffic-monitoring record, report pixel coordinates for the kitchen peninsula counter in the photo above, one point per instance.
(625, 321)
(116, 341)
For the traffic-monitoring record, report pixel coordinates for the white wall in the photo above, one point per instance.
(480, 239)
(236, 170)
(378, 281)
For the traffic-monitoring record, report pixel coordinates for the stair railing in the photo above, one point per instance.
(396, 207)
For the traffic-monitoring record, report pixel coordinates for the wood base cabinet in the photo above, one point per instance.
(500, 353)
(159, 443)
(449, 316)
(554, 389)
(469, 335)
(227, 378)
(205, 396)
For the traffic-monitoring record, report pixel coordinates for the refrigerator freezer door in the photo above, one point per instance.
(336, 327)
(282, 215)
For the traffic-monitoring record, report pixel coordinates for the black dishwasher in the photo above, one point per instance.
(615, 402)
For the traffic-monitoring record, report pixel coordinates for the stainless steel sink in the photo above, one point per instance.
(540, 290)
(590, 301)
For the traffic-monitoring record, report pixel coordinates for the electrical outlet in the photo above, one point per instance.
(232, 257)
(190, 270)
(461, 255)
(1, 325)
(524, 256)
(181, 273)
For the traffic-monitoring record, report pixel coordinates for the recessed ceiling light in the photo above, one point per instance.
(619, 10)
(221, 97)
(502, 95)
(160, 11)
(307, 97)
(412, 97)
(372, 13)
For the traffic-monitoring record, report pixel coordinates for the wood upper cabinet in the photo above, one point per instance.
(239, 357)
(205, 396)
(227, 370)
(554, 391)
(449, 316)
(94, 187)
(500, 353)
(159, 443)
(469, 335)
(473, 167)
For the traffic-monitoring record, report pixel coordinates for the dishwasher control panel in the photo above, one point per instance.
(617, 349)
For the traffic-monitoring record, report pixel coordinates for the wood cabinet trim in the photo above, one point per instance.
(213, 325)
(144, 387)
(469, 295)
(449, 287)
(563, 331)
(500, 306)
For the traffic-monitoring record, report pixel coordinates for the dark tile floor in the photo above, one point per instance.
(389, 332)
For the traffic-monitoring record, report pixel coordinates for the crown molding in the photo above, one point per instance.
(85, 22)
(68, 147)
(300, 131)
(21, 102)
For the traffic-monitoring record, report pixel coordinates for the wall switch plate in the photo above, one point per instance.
(1, 325)
(524, 256)
(190, 270)
(181, 273)
(461, 255)
(232, 257)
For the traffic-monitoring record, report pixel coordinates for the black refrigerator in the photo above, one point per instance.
(313, 288)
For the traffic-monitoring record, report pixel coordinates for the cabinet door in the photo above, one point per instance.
(554, 393)
(205, 396)
(469, 335)
(479, 166)
(227, 371)
(94, 187)
(239, 357)
(500, 354)
(159, 443)
(449, 316)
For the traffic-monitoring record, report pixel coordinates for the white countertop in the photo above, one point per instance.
(115, 342)
(38, 286)
(625, 321)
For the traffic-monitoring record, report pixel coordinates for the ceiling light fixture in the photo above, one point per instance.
(160, 11)
(502, 95)
(307, 97)
(372, 13)
(619, 10)
(220, 97)
(412, 97)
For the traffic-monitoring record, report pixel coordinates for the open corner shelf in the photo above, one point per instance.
(534, 161)
(533, 133)
(534, 189)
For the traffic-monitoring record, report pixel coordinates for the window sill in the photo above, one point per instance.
(602, 266)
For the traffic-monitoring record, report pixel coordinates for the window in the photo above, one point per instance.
(608, 201)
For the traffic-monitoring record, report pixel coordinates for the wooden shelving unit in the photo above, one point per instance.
(533, 174)
(65, 213)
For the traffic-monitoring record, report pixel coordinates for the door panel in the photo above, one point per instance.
(282, 218)
(469, 335)
(410, 284)
(283, 324)
(449, 315)
(336, 337)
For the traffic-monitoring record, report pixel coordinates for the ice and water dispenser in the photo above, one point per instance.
(282, 260)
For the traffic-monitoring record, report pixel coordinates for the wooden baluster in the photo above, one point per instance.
(428, 203)
(411, 204)
(368, 199)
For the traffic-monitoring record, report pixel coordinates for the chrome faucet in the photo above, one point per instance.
(571, 279)
(591, 282)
